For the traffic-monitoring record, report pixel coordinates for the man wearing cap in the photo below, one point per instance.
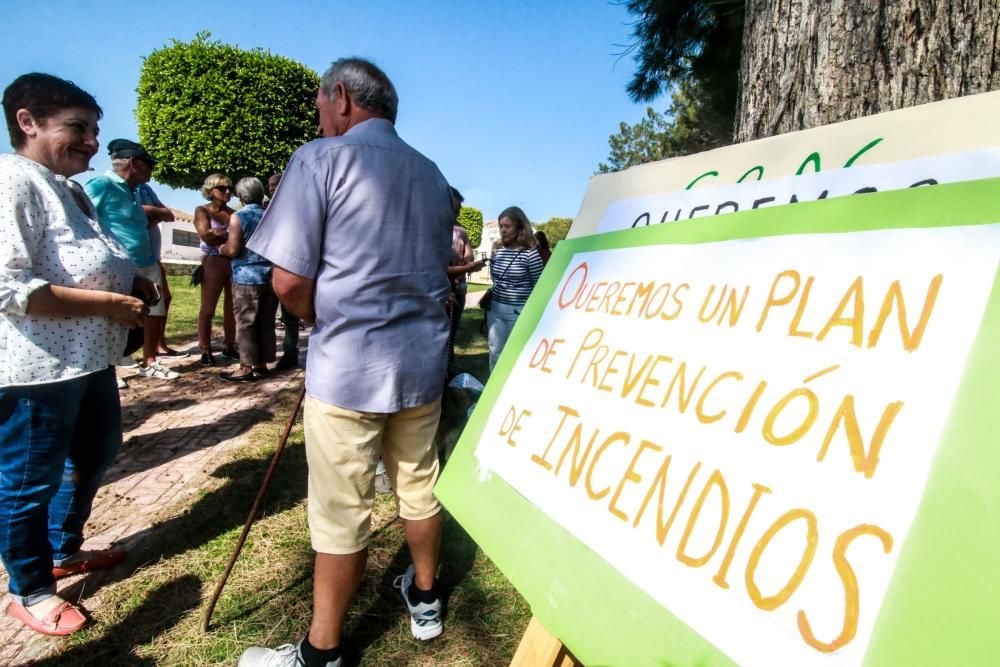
(157, 212)
(119, 208)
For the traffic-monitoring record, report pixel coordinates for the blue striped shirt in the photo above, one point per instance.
(514, 272)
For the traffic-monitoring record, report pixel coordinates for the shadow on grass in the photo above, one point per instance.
(214, 514)
(160, 611)
(471, 354)
(226, 508)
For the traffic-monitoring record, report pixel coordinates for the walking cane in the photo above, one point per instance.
(253, 511)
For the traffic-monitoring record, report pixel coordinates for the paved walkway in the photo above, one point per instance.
(175, 433)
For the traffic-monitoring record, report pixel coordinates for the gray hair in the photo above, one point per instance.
(250, 190)
(366, 83)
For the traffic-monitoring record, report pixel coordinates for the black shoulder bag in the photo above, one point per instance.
(487, 298)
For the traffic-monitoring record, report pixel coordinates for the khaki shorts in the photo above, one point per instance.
(155, 274)
(343, 447)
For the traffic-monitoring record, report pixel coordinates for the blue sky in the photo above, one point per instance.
(513, 100)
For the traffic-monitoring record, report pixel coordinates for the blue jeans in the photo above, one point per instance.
(500, 320)
(56, 441)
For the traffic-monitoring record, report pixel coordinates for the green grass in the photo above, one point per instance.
(182, 319)
(478, 287)
(153, 615)
(471, 351)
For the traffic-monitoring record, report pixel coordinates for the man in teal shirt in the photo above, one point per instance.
(119, 208)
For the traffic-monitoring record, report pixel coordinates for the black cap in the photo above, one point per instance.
(122, 148)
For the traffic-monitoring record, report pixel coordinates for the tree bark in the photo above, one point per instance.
(813, 62)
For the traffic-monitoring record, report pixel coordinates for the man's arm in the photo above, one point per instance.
(295, 293)
(467, 254)
(469, 267)
(157, 214)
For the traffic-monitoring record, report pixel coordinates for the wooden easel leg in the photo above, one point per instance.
(539, 648)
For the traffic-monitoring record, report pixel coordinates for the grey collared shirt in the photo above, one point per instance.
(369, 219)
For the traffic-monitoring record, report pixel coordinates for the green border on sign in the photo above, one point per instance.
(943, 603)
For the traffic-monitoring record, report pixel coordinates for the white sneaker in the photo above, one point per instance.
(382, 483)
(287, 655)
(425, 618)
(122, 384)
(158, 371)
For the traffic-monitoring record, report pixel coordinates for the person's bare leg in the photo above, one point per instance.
(212, 283)
(336, 579)
(228, 316)
(424, 540)
(162, 347)
(151, 338)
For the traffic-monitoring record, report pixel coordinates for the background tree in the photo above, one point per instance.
(471, 220)
(691, 49)
(775, 66)
(555, 229)
(687, 127)
(806, 63)
(205, 106)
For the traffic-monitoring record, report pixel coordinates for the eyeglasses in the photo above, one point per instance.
(225, 188)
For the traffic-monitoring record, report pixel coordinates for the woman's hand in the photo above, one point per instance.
(127, 310)
(145, 290)
(203, 225)
(216, 237)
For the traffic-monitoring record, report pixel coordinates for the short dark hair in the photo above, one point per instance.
(456, 199)
(42, 95)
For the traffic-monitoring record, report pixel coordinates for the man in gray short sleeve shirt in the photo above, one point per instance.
(360, 237)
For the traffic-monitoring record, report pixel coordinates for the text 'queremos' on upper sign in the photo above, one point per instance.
(705, 202)
(744, 428)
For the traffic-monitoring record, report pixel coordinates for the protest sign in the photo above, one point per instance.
(927, 141)
(762, 438)
(722, 200)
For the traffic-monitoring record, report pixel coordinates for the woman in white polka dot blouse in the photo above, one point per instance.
(65, 306)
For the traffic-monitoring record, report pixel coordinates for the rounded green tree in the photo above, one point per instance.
(206, 107)
(471, 220)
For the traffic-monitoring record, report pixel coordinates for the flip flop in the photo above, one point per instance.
(65, 619)
(98, 560)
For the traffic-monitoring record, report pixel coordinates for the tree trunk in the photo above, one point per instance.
(813, 62)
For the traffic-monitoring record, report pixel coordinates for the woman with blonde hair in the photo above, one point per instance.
(212, 223)
(515, 267)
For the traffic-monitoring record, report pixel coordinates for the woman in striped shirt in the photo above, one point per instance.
(514, 268)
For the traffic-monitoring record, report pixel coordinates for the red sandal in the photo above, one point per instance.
(98, 560)
(65, 619)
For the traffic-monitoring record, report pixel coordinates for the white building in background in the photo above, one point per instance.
(180, 239)
(491, 234)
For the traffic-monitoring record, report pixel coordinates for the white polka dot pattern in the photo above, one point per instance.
(47, 238)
